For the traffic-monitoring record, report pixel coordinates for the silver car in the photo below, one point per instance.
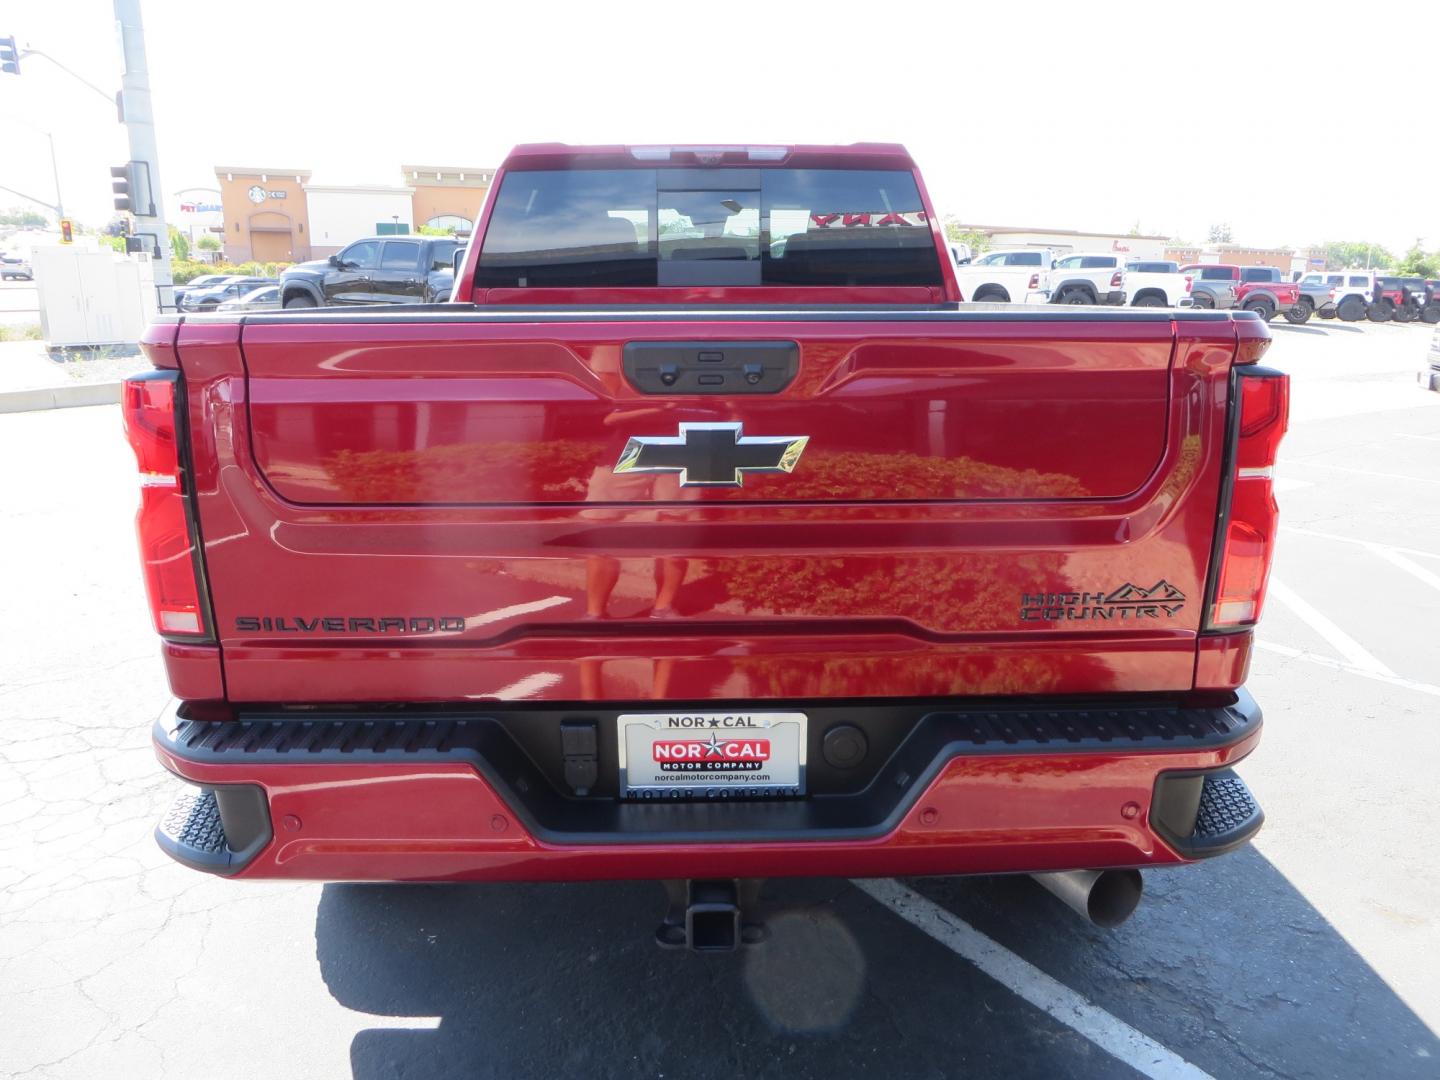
(265, 298)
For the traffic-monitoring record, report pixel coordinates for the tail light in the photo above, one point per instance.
(1116, 278)
(1246, 541)
(1189, 282)
(1034, 281)
(1332, 295)
(165, 522)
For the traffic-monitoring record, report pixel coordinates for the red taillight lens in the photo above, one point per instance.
(1034, 281)
(1116, 278)
(167, 552)
(1248, 539)
(150, 425)
(1188, 284)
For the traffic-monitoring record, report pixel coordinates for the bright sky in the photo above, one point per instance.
(1172, 115)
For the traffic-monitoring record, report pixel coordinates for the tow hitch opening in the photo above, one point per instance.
(711, 915)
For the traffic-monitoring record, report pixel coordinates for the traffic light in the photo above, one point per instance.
(124, 185)
(67, 231)
(132, 188)
(9, 56)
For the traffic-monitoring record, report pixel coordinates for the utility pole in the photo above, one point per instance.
(139, 122)
(55, 169)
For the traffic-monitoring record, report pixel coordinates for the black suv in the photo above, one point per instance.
(376, 270)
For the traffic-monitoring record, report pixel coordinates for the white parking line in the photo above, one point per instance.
(1358, 656)
(1338, 665)
(1362, 543)
(1364, 472)
(1394, 558)
(1111, 1034)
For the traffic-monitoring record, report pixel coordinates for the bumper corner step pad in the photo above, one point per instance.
(194, 829)
(1220, 816)
(1228, 815)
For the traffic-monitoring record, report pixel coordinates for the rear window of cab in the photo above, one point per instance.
(609, 228)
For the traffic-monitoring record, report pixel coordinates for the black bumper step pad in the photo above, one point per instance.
(1204, 814)
(201, 824)
(1227, 811)
(269, 737)
(191, 831)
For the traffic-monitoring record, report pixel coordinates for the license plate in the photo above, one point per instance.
(711, 754)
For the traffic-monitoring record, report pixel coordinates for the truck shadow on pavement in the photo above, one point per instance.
(1225, 964)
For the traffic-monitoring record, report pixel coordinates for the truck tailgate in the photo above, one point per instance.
(427, 506)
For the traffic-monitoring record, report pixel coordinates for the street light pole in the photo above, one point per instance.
(55, 169)
(140, 127)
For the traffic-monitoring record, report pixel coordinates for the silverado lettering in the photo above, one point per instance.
(701, 653)
(335, 624)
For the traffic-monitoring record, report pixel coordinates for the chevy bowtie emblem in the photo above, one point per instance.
(711, 455)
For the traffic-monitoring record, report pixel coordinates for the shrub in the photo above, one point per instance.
(188, 270)
(184, 271)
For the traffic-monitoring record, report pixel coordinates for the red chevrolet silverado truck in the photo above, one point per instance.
(707, 536)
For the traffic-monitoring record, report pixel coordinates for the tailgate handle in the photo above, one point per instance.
(711, 367)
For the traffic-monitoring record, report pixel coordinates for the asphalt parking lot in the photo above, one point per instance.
(1314, 952)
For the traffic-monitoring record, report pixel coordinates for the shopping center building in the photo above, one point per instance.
(280, 215)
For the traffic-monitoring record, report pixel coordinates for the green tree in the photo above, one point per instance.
(979, 242)
(20, 218)
(179, 244)
(1352, 254)
(208, 243)
(1416, 263)
(1220, 233)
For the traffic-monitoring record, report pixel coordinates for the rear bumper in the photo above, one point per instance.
(1114, 296)
(397, 795)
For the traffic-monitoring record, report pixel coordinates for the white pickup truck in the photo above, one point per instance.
(1013, 275)
(1156, 284)
(1088, 278)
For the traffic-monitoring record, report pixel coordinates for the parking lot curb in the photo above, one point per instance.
(59, 397)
